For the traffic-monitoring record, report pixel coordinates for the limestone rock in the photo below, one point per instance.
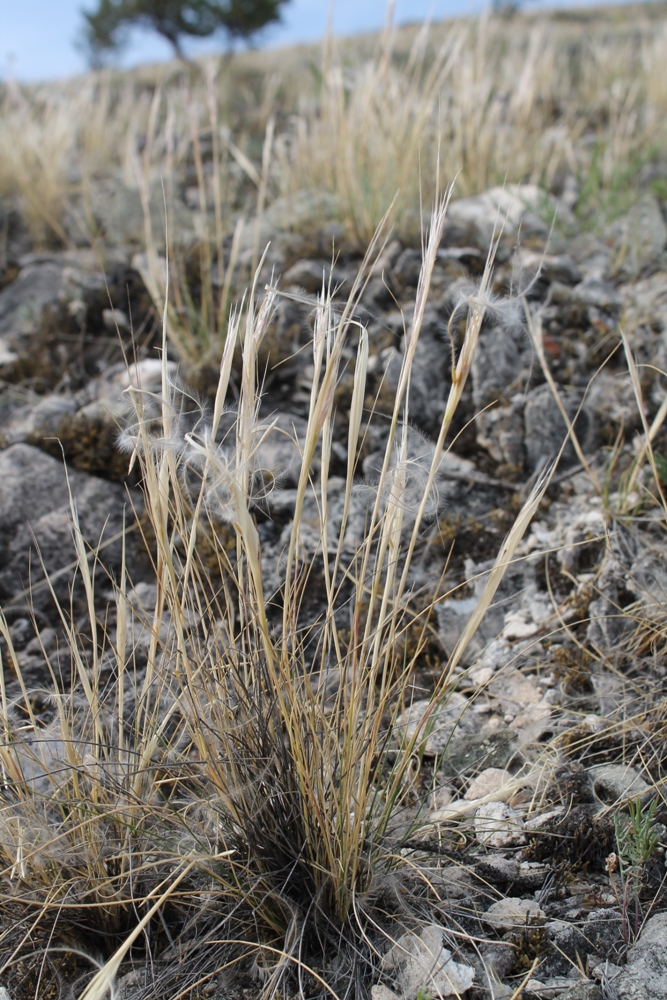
(545, 429)
(496, 868)
(381, 992)
(559, 986)
(645, 975)
(308, 274)
(641, 235)
(447, 718)
(430, 375)
(551, 267)
(501, 431)
(616, 782)
(500, 364)
(497, 825)
(512, 913)
(453, 616)
(582, 991)
(511, 206)
(470, 753)
(424, 964)
(119, 210)
(595, 291)
(22, 304)
(37, 422)
(35, 517)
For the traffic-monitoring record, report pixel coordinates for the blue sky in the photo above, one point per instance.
(37, 36)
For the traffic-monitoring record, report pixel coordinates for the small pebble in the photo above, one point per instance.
(497, 825)
(508, 914)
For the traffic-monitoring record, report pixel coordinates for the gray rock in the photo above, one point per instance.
(595, 291)
(46, 419)
(35, 520)
(497, 869)
(120, 212)
(499, 958)
(645, 318)
(545, 429)
(497, 654)
(382, 992)
(89, 438)
(645, 975)
(607, 622)
(497, 826)
(145, 374)
(468, 754)
(606, 973)
(603, 933)
(615, 782)
(582, 991)
(452, 882)
(308, 274)
(430, 375)
(648, 579)
(568, 946)
(55, 297)
(23, 303)
(612, 400)
(445, 719)
(501, 364)
(425, 965)
(387, 261)
(517, 591)
(277, 442)
(305, 208)
(278, 450)
(550, 267)
(549, 989)
(133, 984)
(408, 266)
(512, 913)
(501, 431)
(86, 435)
(641, 235)
(45, 641)
(511, 206)
(453, 617)
(35, 423)
(488, 782)
(592, 254)
(116, 320)
(532, 874)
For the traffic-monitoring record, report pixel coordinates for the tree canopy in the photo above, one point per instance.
(107, 28)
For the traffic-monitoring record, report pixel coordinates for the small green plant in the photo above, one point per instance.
(423, 994)
(637, 837)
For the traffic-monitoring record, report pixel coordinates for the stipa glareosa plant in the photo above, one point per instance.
(268, 741)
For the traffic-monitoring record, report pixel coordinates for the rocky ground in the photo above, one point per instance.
(556, 730)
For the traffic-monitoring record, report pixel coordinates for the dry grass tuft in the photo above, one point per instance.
(257, 761)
